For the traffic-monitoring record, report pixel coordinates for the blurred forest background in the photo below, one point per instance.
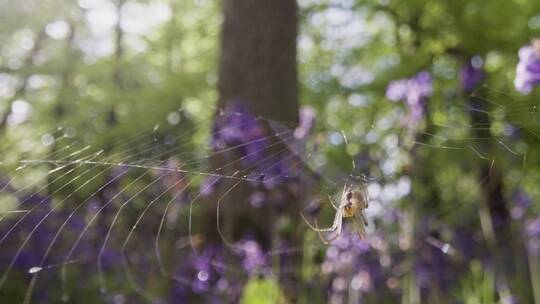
(163, 150)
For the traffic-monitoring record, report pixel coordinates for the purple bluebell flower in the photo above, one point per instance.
(528, 68)
(239, 134)
(532, 230)
(521, 201)
(472, 73)
(205, 274)
(433, 266)
(32, 254)
(354, 263)
(257, 198)
(434, 263)
(236, 126)
(307, 120)
(254, 260)
(276, 171)
(397, 90)
(414, 91)
(206, 269)
(201, 276)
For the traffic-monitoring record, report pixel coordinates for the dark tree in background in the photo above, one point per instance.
(258, 57)
(258, 71)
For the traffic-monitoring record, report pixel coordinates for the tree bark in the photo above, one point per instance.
(257, 68)
(258, 57)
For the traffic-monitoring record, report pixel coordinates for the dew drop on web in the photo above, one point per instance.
(34, 269)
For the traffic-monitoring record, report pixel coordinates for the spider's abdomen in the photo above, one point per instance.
(350, 209)
(355, 203)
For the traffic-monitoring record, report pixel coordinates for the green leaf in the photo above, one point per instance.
(262, 291)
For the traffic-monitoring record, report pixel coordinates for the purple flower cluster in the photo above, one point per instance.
(307, 121)
(521, 203)
(528, 68)
(380, 264)
(532, 230)
(354, 265)
(432, 265)
(472, 73)
(201, 274)
(208, 269)
(414, 91)
(253, 259)
(35, 253)
(238, 127)
(207, 275)
(49, 223)
(239, 135)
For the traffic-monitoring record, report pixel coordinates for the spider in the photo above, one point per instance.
(352, 202)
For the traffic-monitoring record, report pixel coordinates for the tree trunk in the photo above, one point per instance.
(258, 57)
(257, 68)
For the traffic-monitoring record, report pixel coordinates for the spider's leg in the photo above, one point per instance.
(340, 224)
(366, 198)
(363, 216)
(332, 202)
(219, 201)
(327, 241)
(323, 239)
(316, 228)
(337, 220)
(360, 227)
(336, 226)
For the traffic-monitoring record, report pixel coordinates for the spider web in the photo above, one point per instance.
(121, 218)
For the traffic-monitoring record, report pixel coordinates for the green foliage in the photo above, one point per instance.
(479, 287)
(262, 291)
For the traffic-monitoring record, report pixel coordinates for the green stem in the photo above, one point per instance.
(534, 270)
